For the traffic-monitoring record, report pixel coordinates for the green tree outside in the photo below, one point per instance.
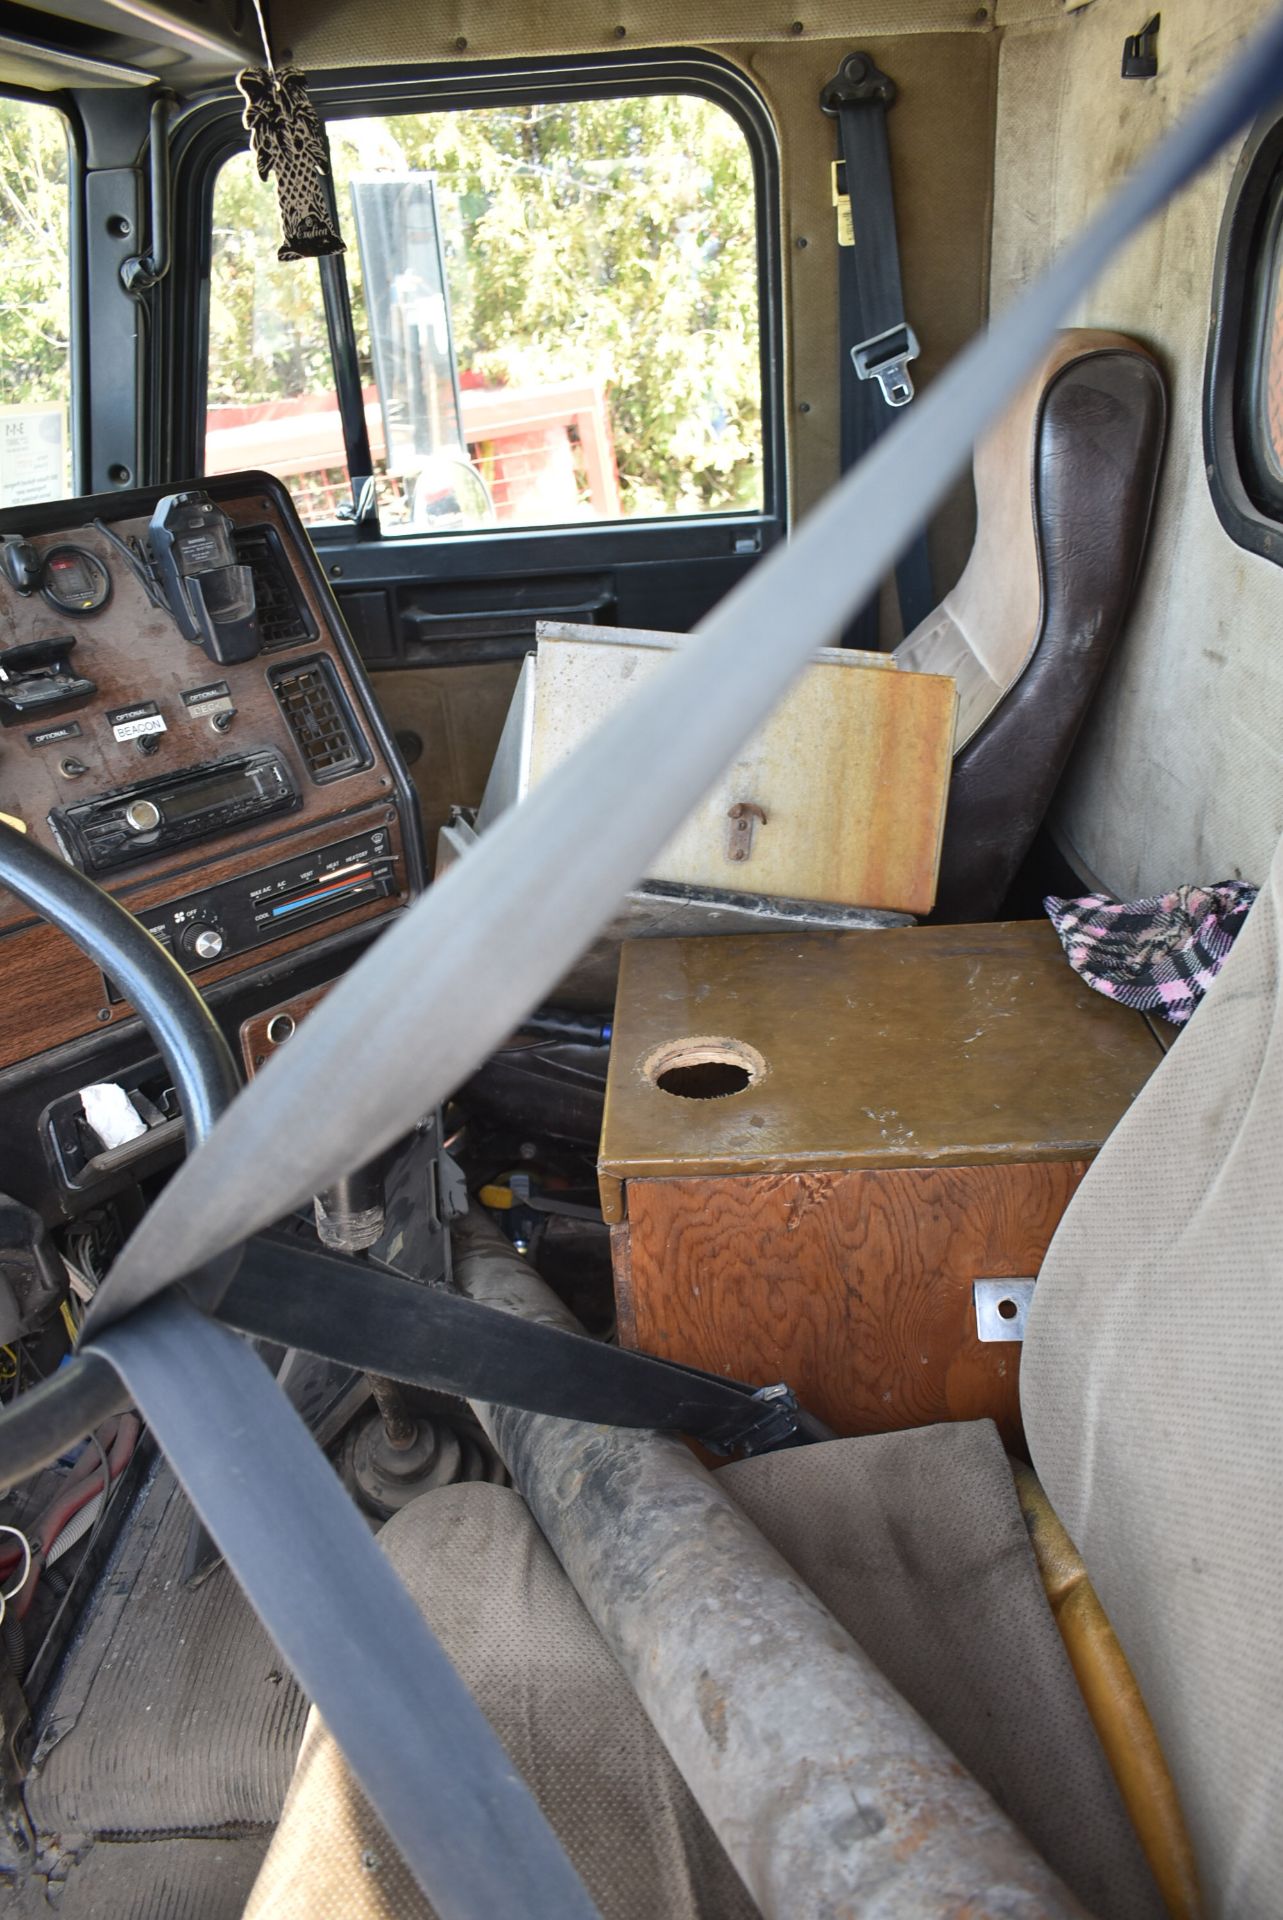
(35, 275)
(614, 238)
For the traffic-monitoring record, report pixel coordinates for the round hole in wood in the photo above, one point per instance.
(704, 1067)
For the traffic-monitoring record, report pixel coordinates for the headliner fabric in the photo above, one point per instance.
(1150, 1385)
(362, 33)
(914, 1541)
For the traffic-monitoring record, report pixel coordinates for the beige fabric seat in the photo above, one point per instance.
(1152, 1388)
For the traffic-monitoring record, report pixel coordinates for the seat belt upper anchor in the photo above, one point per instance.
(885, 358)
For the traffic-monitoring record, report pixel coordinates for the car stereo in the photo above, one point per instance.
(136, 822)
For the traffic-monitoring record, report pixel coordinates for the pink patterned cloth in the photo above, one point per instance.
(1159, 955)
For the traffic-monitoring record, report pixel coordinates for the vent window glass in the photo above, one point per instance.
(35, 304)
(556, 319)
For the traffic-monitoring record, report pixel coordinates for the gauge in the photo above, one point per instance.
(75, 580)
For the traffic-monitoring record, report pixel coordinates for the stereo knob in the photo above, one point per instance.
(202, 942)
(142, 816)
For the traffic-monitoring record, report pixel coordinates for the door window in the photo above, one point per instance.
(556, 319)
(35, 304)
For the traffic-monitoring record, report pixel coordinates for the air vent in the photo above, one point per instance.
(319, 718)
(283, 617)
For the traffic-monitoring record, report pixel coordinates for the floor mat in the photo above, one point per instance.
(187, 1879)
(173, 1713)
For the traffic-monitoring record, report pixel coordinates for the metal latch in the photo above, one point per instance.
(842, 201)
(1001, 1308)
(885, 358)
(742, 819)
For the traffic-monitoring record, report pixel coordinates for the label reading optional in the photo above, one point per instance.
(215, 697)
(47, 736)
(128, 722)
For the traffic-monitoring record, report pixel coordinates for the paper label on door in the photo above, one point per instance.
(33, 455)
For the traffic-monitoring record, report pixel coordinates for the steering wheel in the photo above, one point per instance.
(452, 1802)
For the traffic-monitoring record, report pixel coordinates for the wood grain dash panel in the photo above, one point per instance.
(854, 1286)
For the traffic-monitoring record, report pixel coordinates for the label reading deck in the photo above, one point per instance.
(127, 723)
(47, 736)
(216, 697)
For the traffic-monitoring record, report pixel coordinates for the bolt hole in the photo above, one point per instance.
(119, 227)
(119, 475)
(704, 1069)
(1008, 1309)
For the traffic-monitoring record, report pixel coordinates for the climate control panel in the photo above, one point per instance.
(222, 921)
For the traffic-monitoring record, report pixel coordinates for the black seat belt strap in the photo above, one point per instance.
(876, 342)
(295, 1294)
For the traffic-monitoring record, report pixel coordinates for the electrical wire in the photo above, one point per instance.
(93, 1538)
(75, 1530)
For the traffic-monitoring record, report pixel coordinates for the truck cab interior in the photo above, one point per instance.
(641, 764)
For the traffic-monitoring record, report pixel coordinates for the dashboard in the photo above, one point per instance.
(184, 718)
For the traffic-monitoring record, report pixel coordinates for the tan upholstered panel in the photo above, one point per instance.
(1150, 1384)
(941, 138)
(458, 714)
(1178, 774)
(362, 33)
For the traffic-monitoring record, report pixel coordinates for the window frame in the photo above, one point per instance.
(1247, 498)
(77, 300)
(213, 132)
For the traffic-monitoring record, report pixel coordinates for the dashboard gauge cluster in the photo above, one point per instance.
(75, 581)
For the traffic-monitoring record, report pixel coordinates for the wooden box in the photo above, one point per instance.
(853, 724)
(813, 1147)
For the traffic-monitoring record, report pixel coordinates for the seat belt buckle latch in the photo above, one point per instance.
(885, 358)
(842, 201)
(770, 1418)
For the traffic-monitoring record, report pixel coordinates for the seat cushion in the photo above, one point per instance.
(1150, 1385)
(517, 1632)
(915, 1541)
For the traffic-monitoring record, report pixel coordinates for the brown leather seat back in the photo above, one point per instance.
(1064, 490)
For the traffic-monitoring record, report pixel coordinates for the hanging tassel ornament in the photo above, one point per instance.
(286, 138)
